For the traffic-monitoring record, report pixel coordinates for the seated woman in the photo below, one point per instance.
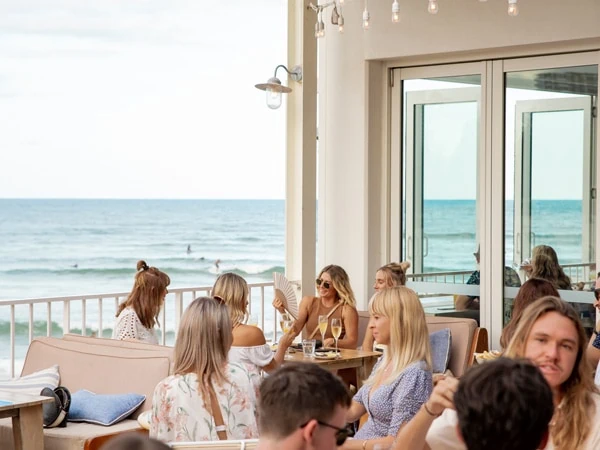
(138, 314)
(208, 398)
(401, 380)
(532, 290)
(391, 275)
(550, 335)
(336, 301)
(544, 264)
(249, 346)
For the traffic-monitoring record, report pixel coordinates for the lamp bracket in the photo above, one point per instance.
(295, 74)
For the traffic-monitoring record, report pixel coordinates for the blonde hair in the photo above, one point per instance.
(395, 273)
(147, 295)
(203, 342)
(341, 283)
(409, 336)
(233, 290)
(577, 406)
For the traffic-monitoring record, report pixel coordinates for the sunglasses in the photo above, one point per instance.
(326, 284)
(341, 434)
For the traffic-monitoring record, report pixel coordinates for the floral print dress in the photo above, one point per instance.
(179, 413)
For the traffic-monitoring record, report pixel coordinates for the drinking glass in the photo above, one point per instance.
(286, 327)
(323, 327)
(336, 330)
(285, 317)
(308, 347)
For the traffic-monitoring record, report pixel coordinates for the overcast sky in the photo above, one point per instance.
(140, 98)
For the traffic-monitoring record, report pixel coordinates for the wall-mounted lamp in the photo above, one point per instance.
(274, 88)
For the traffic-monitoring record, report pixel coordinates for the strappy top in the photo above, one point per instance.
(316, 309)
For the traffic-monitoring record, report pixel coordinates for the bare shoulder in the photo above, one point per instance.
(350, 311)
(307, 300)
(248, 336)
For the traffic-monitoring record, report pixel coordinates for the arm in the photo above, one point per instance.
(284, 342)
(368, 341)
(356, 411)
(413, 434)
(302, 316)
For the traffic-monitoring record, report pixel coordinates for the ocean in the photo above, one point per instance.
(74, 247)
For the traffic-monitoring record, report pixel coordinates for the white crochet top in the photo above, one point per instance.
(128, 326)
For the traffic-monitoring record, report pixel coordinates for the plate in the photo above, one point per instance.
(326, 355)
(487, 356)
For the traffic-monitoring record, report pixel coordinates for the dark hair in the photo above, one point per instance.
(532, 290)
(134, 441)
(148, 293)
(296, 393)
(504, 404)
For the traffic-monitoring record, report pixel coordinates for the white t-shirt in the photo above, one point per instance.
(442, 434)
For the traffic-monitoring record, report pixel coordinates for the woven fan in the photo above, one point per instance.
(284, 291)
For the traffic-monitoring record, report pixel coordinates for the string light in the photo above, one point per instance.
(395, 12)
(513, 9)
(433, 7)
(366, 17)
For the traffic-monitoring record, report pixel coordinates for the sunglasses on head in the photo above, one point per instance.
(341, 434)
(326, 284)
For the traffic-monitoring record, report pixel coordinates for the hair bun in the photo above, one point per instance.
(141, 265)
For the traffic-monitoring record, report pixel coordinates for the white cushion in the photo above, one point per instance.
(33, 383)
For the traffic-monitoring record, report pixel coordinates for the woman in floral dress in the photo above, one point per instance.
(182, 406)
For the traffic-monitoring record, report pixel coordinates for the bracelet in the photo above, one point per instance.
(364, 445)
(429, 412)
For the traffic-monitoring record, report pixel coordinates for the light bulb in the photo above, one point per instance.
(395, 12)
(273, 98)
(433, 7)
(366, 18)
(341, 2)
(513, 9)
(341, 24)
(317, 29)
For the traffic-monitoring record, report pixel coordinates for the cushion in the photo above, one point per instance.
(33, 383)
(441, 344)
(103, 409)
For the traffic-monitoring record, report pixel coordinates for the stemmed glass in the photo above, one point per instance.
(336, 330)
(285, 317)
(323, 327)
(286, 326)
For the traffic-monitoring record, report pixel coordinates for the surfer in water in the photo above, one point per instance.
(189, 249)
(217, 262)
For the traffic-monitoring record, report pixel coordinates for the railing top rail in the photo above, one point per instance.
(67, 298)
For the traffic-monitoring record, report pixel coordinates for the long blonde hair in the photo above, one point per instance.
(147, 295)
(203, 342)
(233, 290)
(577, 407)
(341, 283)
(409, 336)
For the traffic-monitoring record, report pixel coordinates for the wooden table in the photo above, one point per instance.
(362, 361)
(27, 418)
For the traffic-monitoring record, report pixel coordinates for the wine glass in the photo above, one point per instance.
(285, 317)
(286, 326)
(336, 330)
(323, 327)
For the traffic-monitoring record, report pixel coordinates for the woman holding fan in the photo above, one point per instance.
(335, 301)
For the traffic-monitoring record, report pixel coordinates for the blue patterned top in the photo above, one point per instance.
(394, 404)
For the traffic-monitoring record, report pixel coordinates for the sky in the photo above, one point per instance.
(140, 99)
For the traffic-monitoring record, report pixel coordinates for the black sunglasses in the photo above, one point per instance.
(326, 284)
(341, 434)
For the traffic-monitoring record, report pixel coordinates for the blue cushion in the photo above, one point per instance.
(103, 409)
(441, 344)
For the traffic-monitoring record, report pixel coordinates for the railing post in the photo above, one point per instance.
(178, 309)
(12, 341)
(66, 317)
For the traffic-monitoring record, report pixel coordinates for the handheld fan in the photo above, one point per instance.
(284, 291)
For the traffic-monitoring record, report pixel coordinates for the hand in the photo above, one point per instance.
(278, 305)
(442, 396)
(329, 342)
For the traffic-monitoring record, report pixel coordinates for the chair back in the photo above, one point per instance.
(363, 323)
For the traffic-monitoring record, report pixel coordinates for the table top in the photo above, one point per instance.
(345, 355)
(19, 400)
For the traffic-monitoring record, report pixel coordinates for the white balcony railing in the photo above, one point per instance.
(94, 315)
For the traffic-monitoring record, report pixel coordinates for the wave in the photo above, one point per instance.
(256, 270)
